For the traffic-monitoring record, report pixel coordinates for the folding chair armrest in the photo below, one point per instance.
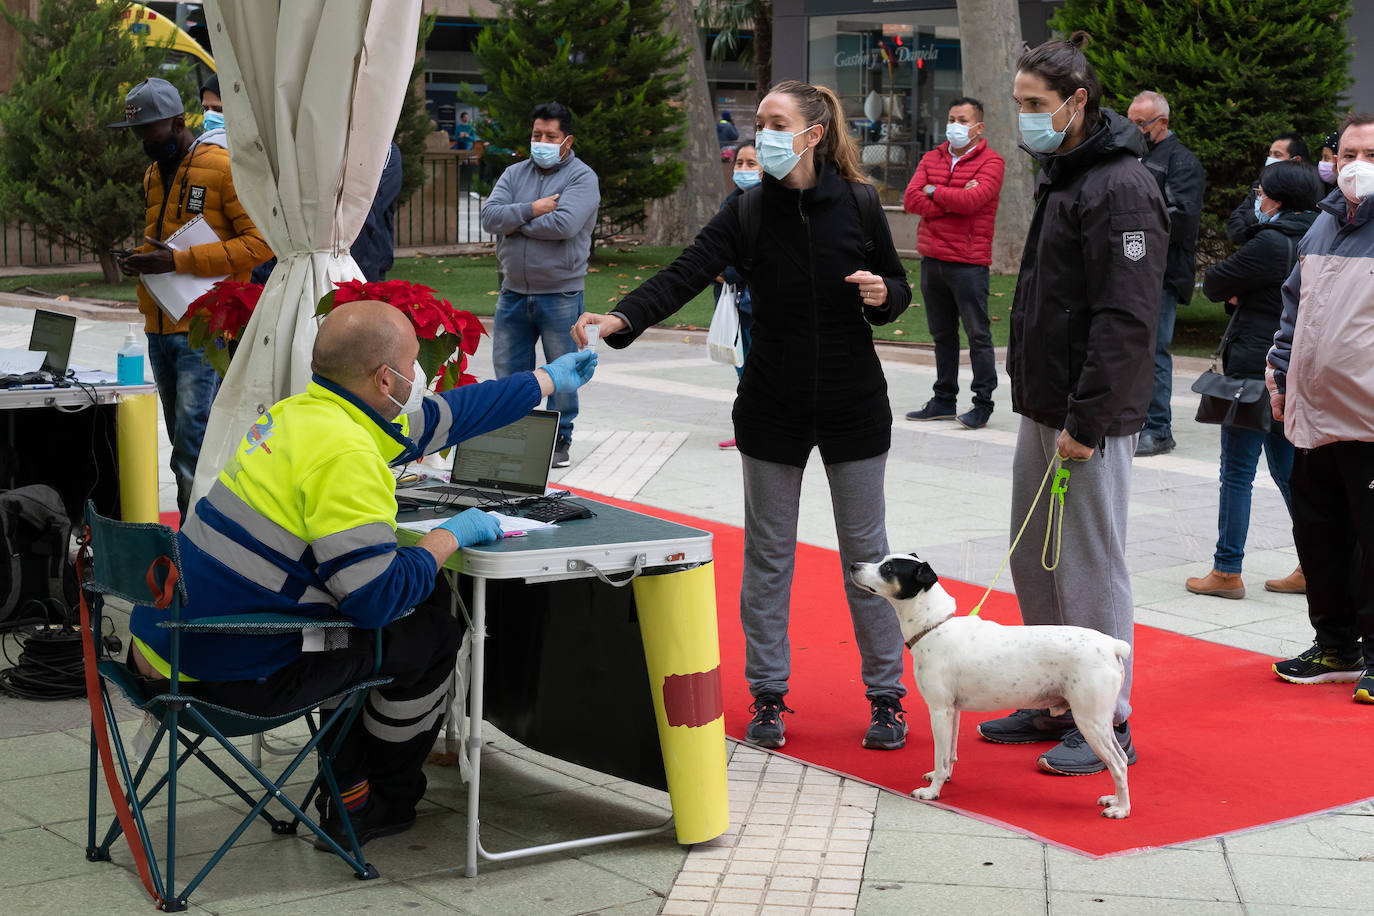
(254, 624)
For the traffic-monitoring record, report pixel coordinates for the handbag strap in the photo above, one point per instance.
(1225, 336)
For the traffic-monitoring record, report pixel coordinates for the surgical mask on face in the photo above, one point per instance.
(1270, 160)
(161, 152)
(1037, 129)
(418, 384)
(1356, 179)
(546, 155)
(1328, 171)
(775, 151)
(747, 178)
(213, 120)
(1260, 215)
(957, 134)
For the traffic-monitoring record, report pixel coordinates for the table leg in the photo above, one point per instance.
(477, 671)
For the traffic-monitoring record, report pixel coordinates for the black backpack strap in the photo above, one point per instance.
(870, 211)
(750, 222)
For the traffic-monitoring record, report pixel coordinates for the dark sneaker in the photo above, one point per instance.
(887, 731)
(1026, 726)
(976, 418)
(374, 819)
(561, 458)
(1320, 666)
(932, 411)
(766, 728)
(1149, 445)
(1364, 690)
(1073, 756)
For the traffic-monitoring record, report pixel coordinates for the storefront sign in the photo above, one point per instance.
(873, 57)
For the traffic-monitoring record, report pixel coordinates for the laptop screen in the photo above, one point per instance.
(52, 333)
(514, 458)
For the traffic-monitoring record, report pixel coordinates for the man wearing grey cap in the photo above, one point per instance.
(187, 179)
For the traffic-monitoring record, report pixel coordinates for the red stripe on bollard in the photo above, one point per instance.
(693, 699)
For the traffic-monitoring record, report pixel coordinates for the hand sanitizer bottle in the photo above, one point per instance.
(129, 360)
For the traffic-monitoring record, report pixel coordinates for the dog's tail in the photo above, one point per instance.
(1121, 648)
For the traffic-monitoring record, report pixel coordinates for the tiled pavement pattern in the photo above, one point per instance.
(801, 837)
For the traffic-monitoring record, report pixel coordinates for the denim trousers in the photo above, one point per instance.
(1240, 451)
(1158, 422)
(187, 385)
(955, 293)
(522, 320)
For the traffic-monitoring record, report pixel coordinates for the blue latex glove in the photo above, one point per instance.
(473, 526)
(571, 370)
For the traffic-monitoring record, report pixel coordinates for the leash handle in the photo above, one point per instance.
(1058, 490)
(1056, 463)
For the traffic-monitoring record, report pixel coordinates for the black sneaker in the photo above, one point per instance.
(1320, 666)
(1027, 726)
(1073, 756)
(374, 819)
(887, 731)
(1364, 690)
(932, 411)
(1150, 444)
(766, 728)
(976, 418)
(561, 458)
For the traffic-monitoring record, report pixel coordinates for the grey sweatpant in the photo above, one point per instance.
(772, 493)
(1091, 586)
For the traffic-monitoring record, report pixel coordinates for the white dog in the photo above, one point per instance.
(972, 663)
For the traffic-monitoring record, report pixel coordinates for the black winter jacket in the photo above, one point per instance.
(1181, 181)
(1255, 275)
(812, 377)
(1083, 321)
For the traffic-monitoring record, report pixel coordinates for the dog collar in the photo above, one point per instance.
(911, 643)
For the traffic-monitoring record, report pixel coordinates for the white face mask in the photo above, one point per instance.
(1356, 180)
(1037, 129)
(775, 150)
(418, 384)
(1270, 160)
(958, 135)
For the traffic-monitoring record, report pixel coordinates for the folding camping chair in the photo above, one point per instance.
(139, 563)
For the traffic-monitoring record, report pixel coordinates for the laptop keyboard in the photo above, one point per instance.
(553, 511)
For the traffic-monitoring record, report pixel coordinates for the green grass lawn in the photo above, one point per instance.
(470, 283)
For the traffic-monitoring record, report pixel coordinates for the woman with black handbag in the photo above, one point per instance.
(1249, 281)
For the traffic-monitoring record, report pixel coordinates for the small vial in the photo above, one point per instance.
(593, 332)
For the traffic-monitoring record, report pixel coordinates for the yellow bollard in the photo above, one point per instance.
(136, 432)
(677, 620)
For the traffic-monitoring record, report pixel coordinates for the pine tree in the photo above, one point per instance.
(1235, 72)
(612, 64)
(62, 170)
(412, 126)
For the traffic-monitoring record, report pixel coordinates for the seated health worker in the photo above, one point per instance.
(302, 520)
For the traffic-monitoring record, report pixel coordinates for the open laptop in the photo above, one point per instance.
(52, 333)
(505, 465)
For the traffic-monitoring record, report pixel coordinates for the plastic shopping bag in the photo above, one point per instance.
(723, 343)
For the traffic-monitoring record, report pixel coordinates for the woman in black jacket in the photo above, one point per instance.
(819, 275)
(1081, 361)
(1250, 282)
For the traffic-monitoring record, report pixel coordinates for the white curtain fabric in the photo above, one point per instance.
(312, 90)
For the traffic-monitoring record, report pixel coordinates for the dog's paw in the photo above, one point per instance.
(1112, 809)
(926, 793)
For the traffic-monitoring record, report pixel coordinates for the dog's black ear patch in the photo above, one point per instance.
(925, 576)
(907, 573)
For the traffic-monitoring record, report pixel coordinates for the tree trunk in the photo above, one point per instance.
(763, 46)
(110, 268)
(675, 220)
(991, 43)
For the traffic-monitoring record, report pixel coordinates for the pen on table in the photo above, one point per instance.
(514, 534)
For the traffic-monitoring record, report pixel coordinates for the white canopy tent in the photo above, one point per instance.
(312, 90)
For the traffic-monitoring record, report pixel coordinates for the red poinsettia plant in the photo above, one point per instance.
(448, 335)
(218, 318)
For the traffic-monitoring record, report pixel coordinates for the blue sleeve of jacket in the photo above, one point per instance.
(446, 419)
(577, 204)
(406, 581)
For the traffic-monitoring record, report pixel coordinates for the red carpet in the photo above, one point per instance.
(1223, 744)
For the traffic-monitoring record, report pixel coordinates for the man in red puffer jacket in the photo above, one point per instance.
(955, 190)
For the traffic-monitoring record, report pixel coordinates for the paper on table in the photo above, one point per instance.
(20, 362)
(174, 292)
(509, 523)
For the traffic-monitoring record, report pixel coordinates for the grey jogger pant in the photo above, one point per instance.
(1091, 587)
(772, 494)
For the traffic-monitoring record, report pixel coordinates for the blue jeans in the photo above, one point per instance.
(1240, 451)
(1157, 421)
(522, 319)
(187, 385)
